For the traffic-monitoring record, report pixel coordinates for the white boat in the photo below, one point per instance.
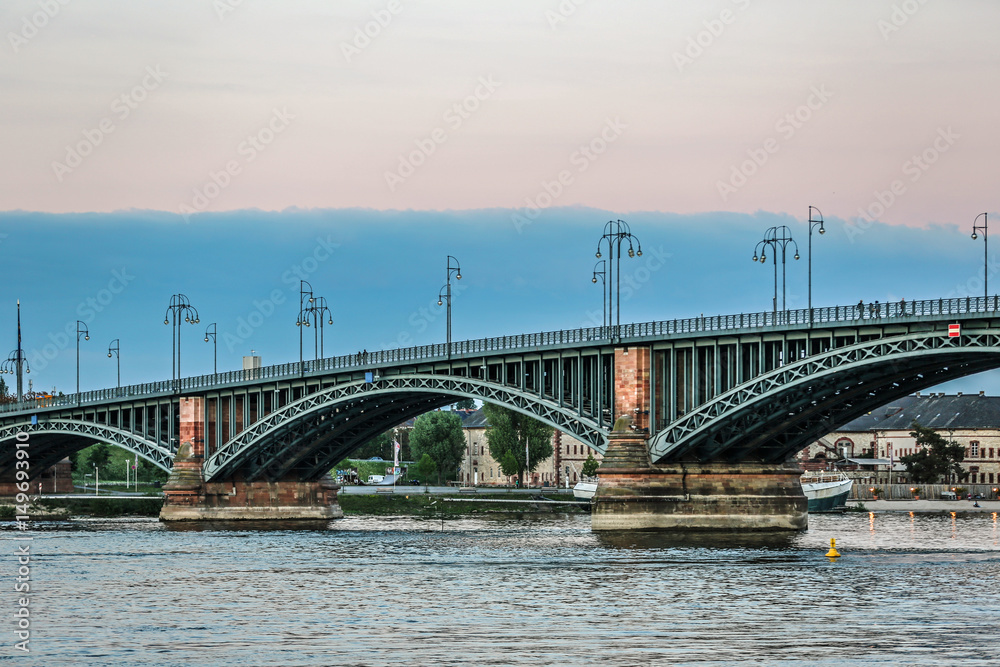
(826, 490)
(584, 490)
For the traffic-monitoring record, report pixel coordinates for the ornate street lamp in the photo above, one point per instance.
(179, 305)
(444, 294)
(211, 331)
(318, 310)
(303, 318)
(813, 223)
(775, 238)
(113, 347)
(17, 362)
(984, 228)
(81, 330)
(603, 274)
(617, 232)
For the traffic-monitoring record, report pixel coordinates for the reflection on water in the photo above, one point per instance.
(537, 590)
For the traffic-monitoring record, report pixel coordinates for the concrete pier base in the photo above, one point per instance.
(632, 494)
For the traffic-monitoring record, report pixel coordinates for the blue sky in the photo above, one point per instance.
(381, 273)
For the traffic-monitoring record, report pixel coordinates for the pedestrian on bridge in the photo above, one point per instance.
(861, 308)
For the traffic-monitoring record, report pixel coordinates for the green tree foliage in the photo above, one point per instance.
(466, 404)
(440, 436)
(509, 433)
(99, 455)
(380, 445)
(590, 465)
(426, 468)
(935, 457)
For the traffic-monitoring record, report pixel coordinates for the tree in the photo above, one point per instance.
(99, 455)
(440, 436)
(426, 468)
(935, 458)
(510, 433)
(380, 445)
(590, 465)
(466, 404)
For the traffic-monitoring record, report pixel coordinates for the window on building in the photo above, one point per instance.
(974, 449)
(991, 478)
(991, 452)
(972, 478)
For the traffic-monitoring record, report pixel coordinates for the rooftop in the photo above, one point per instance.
(936, 410)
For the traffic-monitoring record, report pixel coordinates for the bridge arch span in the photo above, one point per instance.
(51, 441)
(777, 414)
(311, 434)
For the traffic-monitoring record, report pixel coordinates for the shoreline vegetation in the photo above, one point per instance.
(415, 504)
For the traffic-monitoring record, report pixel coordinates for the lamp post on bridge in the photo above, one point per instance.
(179, 305)
(317, 310)
(617, 232)
(812, 225)
(774, 238)
(113, 347)
(984, 228)
(445, 294)
(303, 318)
(17, 363)
(212, 331)
(81, 330)
(603, 273)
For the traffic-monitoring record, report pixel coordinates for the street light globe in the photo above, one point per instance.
(974, 236)
(796, 255)
(639, 252)
(86, 337)
(166, 321)
(755, 257)
(439, 302)
(822, 230)
(594, 279)
(206, 340)
(330, 321)
(631, 253)
(598, 255)
(763, 258)
(109, 355)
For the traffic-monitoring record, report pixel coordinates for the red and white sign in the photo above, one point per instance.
(954, 330)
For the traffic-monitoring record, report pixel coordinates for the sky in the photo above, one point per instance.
(221, 148)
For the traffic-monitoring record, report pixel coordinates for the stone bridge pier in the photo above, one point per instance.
(188, 497)
(634, 494)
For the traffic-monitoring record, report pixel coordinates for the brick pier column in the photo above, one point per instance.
(189, 498)
(633, 494)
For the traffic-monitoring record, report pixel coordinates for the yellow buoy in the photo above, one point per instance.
(833, 553)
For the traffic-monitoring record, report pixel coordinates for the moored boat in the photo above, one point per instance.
(584, 490)
(826, 490)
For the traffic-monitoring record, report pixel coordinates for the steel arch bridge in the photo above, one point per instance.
(746, 387)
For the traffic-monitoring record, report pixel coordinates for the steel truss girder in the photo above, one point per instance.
(235, 453)
(159, 454)
(841, 366)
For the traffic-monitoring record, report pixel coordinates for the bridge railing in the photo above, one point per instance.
(873, 313)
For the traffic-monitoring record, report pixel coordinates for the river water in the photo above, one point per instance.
(515, 590)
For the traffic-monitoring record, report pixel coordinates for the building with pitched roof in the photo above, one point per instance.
(972, 420)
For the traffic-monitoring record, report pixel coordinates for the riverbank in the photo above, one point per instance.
(926, 506)
(399, 504)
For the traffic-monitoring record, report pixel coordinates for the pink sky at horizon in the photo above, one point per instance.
(818, 103)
